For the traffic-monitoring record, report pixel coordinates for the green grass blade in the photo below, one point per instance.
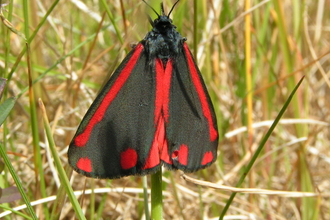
(16, 212)
(59, 166)
(114, 23)
(261, 146)
(5, 108)
(17, 181)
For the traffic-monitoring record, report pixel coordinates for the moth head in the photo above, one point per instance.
(163, 21)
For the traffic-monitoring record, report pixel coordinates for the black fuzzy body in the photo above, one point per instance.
(163, 41)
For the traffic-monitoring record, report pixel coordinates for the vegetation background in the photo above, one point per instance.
(251, 55)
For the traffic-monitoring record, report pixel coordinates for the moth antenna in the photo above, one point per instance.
(162, 8)
(150, 20)
(151, 8)
(172, 8)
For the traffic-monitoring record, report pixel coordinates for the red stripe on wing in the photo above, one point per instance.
(201, 94)
(166, 84)
(159, 139)
(81, 139)
(159, 147)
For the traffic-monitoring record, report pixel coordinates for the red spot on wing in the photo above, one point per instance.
(128, 159)
(82, 138)
(201, 94)
(207, 158)
(181, 155)
(165, 157)
(85, 164)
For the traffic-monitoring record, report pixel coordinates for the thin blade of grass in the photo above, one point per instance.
(105, 5)
(59, 166)
(19, 185)
(5, 108)
(16, 212)
(261, 146)
(38, 166)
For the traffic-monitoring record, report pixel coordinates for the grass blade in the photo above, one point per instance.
(261, 146)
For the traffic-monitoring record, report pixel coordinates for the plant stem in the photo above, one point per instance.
(156, 196)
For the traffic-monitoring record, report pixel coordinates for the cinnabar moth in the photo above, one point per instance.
(155, 110)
